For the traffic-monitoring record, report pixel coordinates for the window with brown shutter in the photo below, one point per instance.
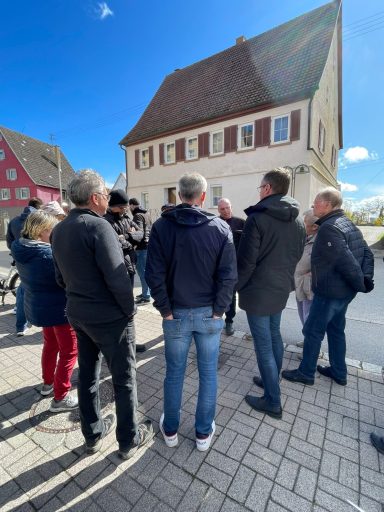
(203, 144)
(150, 156)
(161, 154)
(321, 142)
(137, 159)
(295, 124)
(230, 138)
(180, 150)
(263, 132)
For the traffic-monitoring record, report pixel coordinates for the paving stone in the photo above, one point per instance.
(341, 451)
(194, 497)
(220, 461)
(264, 434)
(369, 505)
(239, 447)
(213, 476)
(373, 491)
(316, 435)
(366, 414)
(166, 492)
(337, 490)
(152, 470)
(279, 441)
(332, 504)
(330, 465)
(260, 466)
(128, 488)
(265, 453)
(290, 500)
(349, 474)
(213, 501)
(305, 447)
(302, 458)
(372, 368)
(287, 474)
(311, 418)
(260, 493)
(225, 440)
(274, 507)
(231, 506)
(306, 483)
(148, 503)
(346, 441)
(241, 484)
(369, 457)
(300, 428)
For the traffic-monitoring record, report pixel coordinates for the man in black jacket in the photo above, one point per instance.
(236, 224)
(272, 244)
(191, 270)
(342, 265)
(142, 219)
(100, 307)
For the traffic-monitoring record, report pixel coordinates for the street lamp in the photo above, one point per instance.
(299, 169)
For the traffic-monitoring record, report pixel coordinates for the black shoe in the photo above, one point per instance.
(262, 405)
(229, 330)
(141, 347)
(95, 446)
(378, 442)
(138, 296)
(297, 376)
(327, 372)
(258, 381)
(142, 300)
(146, 433)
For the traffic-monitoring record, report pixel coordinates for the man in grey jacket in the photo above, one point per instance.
(100, 307)
(270, 247)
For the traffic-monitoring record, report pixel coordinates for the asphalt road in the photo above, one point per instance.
(365, 319)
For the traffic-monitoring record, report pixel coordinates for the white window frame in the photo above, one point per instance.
(274, 119)
(217, 197)
(11, 174)
(333, 156)
(2, 154)
(240, 146)
(23, 193)
(145, 200)
(187, 156)
(211, 152)
(166, 145)
(322, 137)
(5, 194)
(141, 164)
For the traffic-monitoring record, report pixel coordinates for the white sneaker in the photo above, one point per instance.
(46, 389)
(170, 441)
(68, 403)
(203, 444)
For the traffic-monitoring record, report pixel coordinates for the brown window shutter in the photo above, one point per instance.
(230, 138)
(150, 156)
(203, 144)
(180, 150)
(161, 154)
(295, 124)
(137, 159)
(263, 132)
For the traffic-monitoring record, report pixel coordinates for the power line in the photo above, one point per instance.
(363, 28)
(361, 20)
(357, 34)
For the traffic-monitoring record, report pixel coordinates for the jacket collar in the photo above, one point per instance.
(334, 213)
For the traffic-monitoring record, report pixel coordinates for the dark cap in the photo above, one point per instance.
(118, 198)
(134, 201)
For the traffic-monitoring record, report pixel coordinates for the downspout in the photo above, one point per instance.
(126, 168)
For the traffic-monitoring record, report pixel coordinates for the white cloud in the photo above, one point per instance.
(372, 203)
(356, 154)
(103, 10)
(347, 187)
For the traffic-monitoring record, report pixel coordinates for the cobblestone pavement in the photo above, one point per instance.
(317, 458)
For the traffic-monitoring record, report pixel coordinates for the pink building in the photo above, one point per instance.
(28, 168)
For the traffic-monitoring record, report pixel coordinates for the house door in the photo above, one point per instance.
(170, 195)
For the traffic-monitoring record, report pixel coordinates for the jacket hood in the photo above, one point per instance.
(188, 215)
(139, 209)
(280, 207)
(27, 210)
(24, 250)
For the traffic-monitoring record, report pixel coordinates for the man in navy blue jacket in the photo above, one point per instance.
(342, 265)
(191, 271)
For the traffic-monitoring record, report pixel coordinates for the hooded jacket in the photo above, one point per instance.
(270, 247)
(191, 261)
(44, 300)
(341, 259)
(142, 219)
(16, 225)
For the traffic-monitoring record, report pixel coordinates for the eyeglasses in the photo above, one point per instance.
(106, 196)
(262, 186)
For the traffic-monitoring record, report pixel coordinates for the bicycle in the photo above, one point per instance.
(9, 283)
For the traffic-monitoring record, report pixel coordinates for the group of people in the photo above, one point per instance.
(192, 262)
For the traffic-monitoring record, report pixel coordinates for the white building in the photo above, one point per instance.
(273, 100)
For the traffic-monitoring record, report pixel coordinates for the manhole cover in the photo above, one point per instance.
(45, 421)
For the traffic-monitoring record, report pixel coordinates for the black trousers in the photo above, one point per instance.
(116, 342)
(231, 313)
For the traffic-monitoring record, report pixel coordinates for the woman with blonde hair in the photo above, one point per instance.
(44, 303)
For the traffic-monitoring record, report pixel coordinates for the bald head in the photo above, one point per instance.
(224, 208)
(327, 200)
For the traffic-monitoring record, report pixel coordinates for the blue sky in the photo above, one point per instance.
(85, 70)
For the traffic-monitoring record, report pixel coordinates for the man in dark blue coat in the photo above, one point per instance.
(191, 270)
(342, 265)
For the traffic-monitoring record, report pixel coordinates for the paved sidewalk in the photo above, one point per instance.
(317, 458)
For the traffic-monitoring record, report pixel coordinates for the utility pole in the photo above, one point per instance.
(58, 161)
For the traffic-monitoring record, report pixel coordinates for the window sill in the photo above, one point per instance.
(278, 144)
(216, 155)
(245, 150)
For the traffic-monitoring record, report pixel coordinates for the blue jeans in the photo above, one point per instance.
(325, 316)
(199, 324)
(269, 350)
(140, 267)
(21, 320)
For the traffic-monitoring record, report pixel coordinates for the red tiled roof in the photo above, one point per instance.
(285, 62)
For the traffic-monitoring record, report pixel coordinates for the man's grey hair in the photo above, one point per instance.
(309, 217)
(83, 185)
(331, 195)
(191, 186)
(279, 179)
(224, 200)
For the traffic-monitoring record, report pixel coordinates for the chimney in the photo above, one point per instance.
(240, 39)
